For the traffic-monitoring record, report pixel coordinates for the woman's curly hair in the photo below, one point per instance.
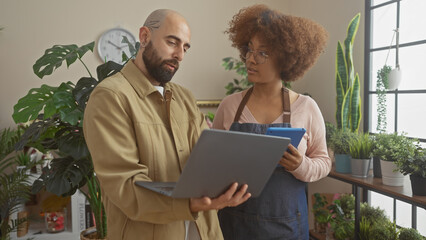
(295, 42)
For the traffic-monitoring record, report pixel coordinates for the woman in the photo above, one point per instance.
(276, 48)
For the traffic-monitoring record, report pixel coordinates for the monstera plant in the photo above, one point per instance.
(55, 114)
(348, 99)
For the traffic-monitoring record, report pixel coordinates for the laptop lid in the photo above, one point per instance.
(220, 158)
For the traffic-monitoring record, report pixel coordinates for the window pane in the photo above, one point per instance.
(390, 113)
(411, 18)
(412, 61)
(383, 25)
(378, 60)
(421, 220)
(412, 114)
(383, 202)
(403, 214)
(377, 2)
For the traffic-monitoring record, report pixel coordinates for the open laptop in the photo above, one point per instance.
(220, 158)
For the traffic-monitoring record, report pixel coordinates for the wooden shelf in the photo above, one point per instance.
(403, 193)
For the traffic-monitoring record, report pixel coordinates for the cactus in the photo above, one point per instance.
(348, 99)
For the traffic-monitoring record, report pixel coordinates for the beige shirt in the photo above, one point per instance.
(133, 133)
(305, 113)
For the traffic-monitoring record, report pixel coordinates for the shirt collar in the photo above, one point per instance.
(139, 81)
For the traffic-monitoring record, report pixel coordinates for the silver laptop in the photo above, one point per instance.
(220, 158)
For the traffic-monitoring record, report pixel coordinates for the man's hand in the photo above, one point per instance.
(291, 160)
(230, 198)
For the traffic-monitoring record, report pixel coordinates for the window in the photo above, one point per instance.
(406, 111)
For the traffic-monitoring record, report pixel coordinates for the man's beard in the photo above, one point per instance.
(157, 67)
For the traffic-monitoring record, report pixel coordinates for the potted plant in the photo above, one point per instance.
(361, 151)
(384, 231)
(339, 143)
(416, 168)
(56, 116)
(409, 234)
(389, 148)
(348, 98)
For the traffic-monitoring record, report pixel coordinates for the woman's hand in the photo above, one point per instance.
(291, 160)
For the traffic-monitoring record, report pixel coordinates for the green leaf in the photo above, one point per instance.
(132, 49)
(82, 91)
(65, 103)
(53, 57)
(346, 109)
(352, 29)
(355, 105)
(29, 107)
(107, 69)
(71, 142)
(339, 101)
(341, 67)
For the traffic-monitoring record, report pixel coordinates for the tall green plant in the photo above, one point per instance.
(381, 86)
(348, 99)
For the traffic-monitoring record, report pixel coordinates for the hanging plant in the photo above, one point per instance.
(381, 86)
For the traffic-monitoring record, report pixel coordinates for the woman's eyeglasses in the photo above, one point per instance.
(259, 56)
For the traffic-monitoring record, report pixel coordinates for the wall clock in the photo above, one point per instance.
(110, 47)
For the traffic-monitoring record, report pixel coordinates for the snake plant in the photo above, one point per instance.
(348, 112)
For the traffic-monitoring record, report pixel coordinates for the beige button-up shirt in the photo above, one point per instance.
(133, 133)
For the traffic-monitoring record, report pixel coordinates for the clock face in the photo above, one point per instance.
(110, 46)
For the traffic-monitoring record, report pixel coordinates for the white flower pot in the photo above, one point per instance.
(390, 177)
(394, 78)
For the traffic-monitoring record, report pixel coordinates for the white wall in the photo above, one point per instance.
(33, 26)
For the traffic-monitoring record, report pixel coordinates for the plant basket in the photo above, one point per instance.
(418, 185)
(90, 234)
(343, 163)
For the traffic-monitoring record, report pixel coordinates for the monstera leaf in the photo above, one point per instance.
(71, 142)
(82, 91)
(53, 57)
(40, 99)
(107, 69)
(64, 176)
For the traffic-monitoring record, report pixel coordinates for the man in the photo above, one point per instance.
(139, 126)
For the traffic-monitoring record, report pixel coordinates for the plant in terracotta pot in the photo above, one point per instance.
(339, 143)
(389, 148)
(361, 151)
(416, 168)
(56, 116)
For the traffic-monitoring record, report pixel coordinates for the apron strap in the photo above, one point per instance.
(243, 104)
(286, 105)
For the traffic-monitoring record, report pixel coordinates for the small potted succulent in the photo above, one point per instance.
(339, 143)
(390, 148)
(416, 168)
(361, 151)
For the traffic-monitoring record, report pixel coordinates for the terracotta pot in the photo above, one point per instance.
(90, 234)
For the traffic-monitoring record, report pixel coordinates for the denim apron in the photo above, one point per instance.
(280, 211)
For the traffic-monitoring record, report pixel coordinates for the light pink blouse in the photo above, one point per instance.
(305, 113)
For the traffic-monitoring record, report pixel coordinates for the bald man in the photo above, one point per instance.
(141, 127)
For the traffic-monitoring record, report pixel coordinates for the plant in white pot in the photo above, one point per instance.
(389, 148)
(360, 149)
(416, 168)
(339, 143)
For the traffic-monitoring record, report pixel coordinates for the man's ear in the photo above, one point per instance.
(144, 36)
